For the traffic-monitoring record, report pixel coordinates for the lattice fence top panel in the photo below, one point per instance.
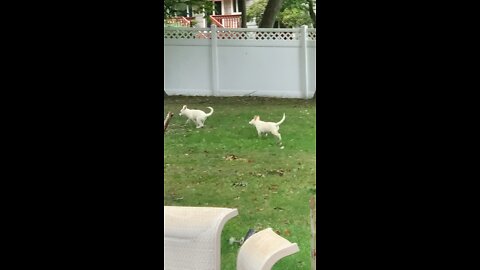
(285, 34)
(186, 33)
(311, 34)
(258, 35)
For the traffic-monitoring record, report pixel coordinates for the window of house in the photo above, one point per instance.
(186, 12)
(235, 6)
(218, 8)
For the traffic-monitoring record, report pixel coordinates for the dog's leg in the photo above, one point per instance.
(277, 135)
(188, 119)
(198, 122)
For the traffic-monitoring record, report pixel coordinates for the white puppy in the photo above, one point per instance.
(197, 116)
(265, 127)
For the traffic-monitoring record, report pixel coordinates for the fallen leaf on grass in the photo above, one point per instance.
(257, 174)
(280, 172)
(240, 184)
(231, 157)
(273, 187)
(234, 157)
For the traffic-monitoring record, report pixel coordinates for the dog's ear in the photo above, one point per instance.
(184, 107)
(257, 117)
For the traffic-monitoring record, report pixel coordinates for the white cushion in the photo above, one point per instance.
(192, 236)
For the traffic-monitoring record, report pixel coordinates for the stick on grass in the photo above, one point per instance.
(167, 120)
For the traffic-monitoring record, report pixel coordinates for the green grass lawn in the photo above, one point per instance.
(269, 186)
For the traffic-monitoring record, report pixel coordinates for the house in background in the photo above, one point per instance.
(225, 15)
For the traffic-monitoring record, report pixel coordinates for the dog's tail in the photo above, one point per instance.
(281, 121)
(211, 111)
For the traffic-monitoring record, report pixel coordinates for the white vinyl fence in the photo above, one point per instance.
(240, 62)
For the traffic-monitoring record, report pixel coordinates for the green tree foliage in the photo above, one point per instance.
(294, 17)
(256, 11)
(312, 13)
(294, 13)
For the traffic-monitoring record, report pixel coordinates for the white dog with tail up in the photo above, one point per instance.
(196, 116)
(266, 127)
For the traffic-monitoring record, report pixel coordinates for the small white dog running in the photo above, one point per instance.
(196, 116)
(265, 127)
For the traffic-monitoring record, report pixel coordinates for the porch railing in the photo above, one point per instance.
(180, 21)
(227, 21)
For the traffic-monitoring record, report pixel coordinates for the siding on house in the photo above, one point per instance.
(227, 7)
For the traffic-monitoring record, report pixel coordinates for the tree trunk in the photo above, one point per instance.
(271, 11)
(242, 6)
(312, 13)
